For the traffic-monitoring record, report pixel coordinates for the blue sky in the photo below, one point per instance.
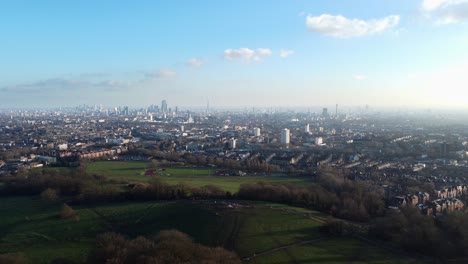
(234, 53)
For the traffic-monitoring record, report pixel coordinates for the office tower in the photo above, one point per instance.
(232, 143)
(307, 128)
(285, 136)
(164, 106)
(325, 112)
(318, 141)
(182, 128)
(256, 132)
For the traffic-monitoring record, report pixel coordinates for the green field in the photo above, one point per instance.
(334, 251)
(31, 227)
(119, 169)
(195, 177)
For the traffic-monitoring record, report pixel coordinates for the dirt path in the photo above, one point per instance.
(231, 240)
(284, 247)
(108, 224)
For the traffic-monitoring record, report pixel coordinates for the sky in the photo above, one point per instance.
(262, 53)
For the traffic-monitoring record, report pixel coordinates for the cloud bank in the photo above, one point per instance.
(446, 11)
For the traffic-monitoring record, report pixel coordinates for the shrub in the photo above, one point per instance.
(67, 212)
(49, 195)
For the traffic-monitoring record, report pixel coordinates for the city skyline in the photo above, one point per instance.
(247, 53)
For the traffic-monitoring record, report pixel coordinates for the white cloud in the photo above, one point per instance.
(342, 27)
(196, 62)
(359, 77)
(164, 73)
(247, 54)
(430, 5)
(285, 53)
(446, 11)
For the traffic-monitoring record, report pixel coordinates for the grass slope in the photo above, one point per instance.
(31, 227)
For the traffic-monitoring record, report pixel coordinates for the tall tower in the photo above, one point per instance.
(256, 132)
(285, 136)
(307, 128)
(336, 111)
(232, 143)
(164, 106)
(325, 113)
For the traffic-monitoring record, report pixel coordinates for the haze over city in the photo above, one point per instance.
(392, 53)
(235, 131)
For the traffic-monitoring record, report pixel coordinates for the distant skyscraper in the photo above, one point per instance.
(325, 112)
(164, 106)
(444, 148)
(318, 141)
(232, 143)
(256, 132)
(307, 128)
(285, 136)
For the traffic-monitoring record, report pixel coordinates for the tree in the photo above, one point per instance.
(12, 259)
(67, 212)
(49, 195)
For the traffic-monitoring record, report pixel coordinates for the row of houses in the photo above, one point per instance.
(440, 206)
(410, 199)
(451, 192)
(92, 154)
(446, 200)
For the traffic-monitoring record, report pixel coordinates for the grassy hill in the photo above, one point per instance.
(257, 231)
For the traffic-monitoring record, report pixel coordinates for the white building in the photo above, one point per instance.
(182, 128)
(232, 143)
(256, 132)
(62, 146)
(285, 136)
(307, 128)
(318, 141)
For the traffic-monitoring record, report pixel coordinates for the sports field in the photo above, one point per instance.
(195, 177)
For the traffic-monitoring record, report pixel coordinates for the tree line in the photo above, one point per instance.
(347, 200)
(445, 237)
(169, 246)
(331, 194)
(83, 188)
